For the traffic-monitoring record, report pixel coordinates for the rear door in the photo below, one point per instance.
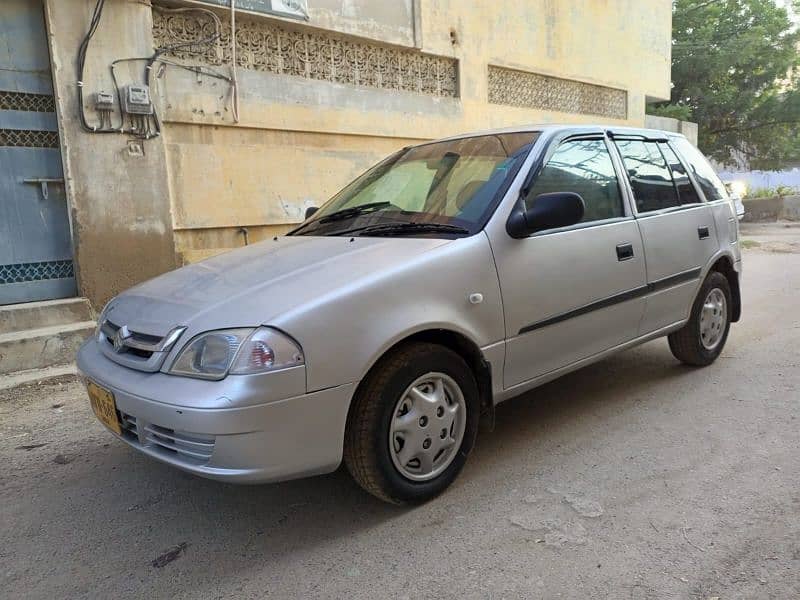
(677, 226)
(572, 292)
(709, 185)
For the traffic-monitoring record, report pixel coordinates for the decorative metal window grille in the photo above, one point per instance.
(532, 90)
(263, 45)
(28, 138)
(36, 271)
(27, 102)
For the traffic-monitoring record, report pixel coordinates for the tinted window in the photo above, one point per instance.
(703, 172)
(649, 174)
(583, 167)
(686, 191)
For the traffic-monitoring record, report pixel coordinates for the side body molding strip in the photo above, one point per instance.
(650, 288)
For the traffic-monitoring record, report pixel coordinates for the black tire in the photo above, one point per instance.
(366, 443)
(686, 343)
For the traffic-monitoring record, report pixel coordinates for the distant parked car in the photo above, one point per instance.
(450, 277)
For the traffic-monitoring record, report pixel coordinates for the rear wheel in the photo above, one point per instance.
(701, 340)
(412, 424)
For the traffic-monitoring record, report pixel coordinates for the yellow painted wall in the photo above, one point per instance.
(299, 141)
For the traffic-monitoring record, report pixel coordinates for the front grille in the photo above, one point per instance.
(191, 448)
(135, 349)
(110, 329)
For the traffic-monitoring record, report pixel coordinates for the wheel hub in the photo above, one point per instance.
(713, 319)
(427, 427)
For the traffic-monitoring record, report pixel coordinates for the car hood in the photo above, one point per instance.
(254, 285)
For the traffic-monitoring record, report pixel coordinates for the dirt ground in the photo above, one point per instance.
(633, 478)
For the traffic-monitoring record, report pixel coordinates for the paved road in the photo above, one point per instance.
(633, 478)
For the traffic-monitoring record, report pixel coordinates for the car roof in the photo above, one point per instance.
(577, 128)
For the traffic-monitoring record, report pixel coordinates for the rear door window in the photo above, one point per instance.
(686, 190)
(649, 174)
(703, 172)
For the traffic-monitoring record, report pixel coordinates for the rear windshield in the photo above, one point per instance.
(703, 172)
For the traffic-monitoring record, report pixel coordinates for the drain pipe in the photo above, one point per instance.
(234, 80)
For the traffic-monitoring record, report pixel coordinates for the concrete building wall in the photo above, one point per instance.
(320, 102)
(300, 139)
(687, 128)
(119, 199)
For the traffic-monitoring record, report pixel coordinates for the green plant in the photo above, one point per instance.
(761, 193)
(768, 192)
(736, 71)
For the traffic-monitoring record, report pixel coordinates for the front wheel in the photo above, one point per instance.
(701, 340)
(412, 424)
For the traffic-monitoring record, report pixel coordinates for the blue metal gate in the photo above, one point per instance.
(35, 242)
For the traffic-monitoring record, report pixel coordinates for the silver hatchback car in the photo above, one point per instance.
(451, 276)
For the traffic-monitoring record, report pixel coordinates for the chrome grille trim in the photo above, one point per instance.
(186, 446)
(143, 341)
(182, 440)
(140, 351)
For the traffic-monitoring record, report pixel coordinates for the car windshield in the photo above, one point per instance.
(439, 189)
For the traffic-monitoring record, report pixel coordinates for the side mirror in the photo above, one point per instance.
(311, 210)
(548, 211)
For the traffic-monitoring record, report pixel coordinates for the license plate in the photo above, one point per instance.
(104, 407)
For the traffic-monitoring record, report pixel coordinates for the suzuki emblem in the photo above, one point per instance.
(123, 333)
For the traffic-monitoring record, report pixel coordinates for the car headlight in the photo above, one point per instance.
(215, 354)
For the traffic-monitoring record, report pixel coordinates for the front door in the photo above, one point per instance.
(574, 292)
(35, 242)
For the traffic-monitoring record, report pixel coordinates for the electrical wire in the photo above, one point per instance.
(168, 49)
(140, 124)
(202, 42)
(233, 79)
(82, 51)
(191, 68)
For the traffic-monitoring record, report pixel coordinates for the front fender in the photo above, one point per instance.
(344, 332)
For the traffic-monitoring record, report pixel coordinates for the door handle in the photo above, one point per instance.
(43, 182)
(702, 233)
(624, 252)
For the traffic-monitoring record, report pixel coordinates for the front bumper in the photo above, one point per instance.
(219, 429)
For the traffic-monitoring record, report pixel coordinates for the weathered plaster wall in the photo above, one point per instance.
(390, 21)
(119, 202)
(300, 140)
(209, 184)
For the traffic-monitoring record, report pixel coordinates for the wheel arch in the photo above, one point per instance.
(462, 345)
(724, 265)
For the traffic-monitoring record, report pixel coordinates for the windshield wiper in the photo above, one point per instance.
(354, 211)
(411, 227)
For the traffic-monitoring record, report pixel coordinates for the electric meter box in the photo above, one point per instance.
(136, 100)
(103, 101)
